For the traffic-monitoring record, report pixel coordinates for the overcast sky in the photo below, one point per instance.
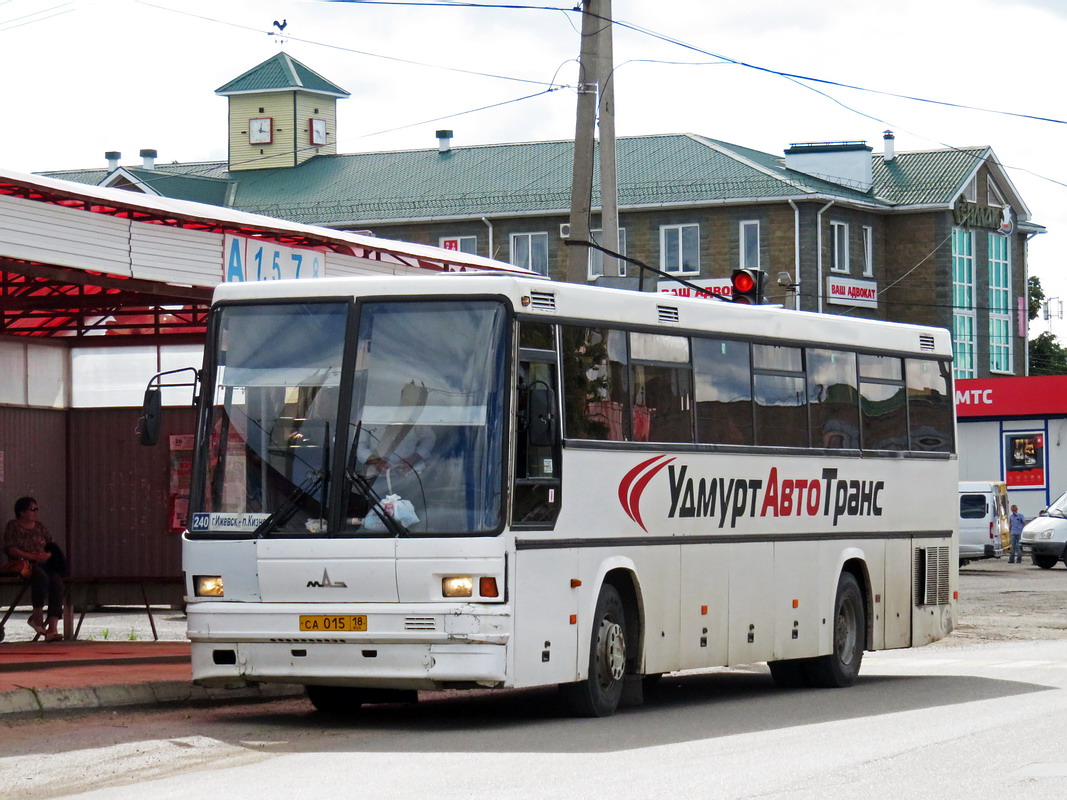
(85, 76)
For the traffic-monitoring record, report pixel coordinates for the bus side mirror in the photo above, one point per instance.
(149, 422)
(540, 423)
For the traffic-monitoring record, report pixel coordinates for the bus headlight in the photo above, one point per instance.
(207, 585)
(459, 586)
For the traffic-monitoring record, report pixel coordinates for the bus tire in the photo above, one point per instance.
(842, 666)
(338, 700)
(599, 694)
(791, 673)
(1044, 561)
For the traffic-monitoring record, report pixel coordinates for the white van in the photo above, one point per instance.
(984, 528)
(1046, 536)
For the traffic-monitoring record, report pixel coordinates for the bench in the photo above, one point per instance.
(22, 585)
(78, 582)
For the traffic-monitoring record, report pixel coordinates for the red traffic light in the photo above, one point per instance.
(743, 282)
(747, 286)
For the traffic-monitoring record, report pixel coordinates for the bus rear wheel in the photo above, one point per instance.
(842, 666)
(599, 694)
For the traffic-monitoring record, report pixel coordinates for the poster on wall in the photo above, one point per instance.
(1024, 459)
(181, 467)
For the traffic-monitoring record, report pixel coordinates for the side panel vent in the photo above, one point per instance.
(667, 313)
(931, 576)
(543, 301)
(926, 342)
(419, 624)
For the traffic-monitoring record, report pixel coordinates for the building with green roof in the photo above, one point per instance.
(935, 237)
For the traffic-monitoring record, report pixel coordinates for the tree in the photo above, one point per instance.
(1047, 357)
(1035, 295)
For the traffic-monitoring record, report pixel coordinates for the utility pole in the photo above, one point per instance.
(594, 72)
(609, 200)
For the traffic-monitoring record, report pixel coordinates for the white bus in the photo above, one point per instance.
(480, 481)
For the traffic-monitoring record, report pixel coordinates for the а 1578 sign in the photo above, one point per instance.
(248, 259)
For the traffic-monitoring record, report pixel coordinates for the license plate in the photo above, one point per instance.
(332, 623)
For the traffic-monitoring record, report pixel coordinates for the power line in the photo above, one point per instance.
(10, 27)
(352, 50)
(686, 45)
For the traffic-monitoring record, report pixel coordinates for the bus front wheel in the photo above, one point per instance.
(1044, 561)
(842, 666)
(599, 694)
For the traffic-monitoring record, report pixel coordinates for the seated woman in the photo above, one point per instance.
(26, 538)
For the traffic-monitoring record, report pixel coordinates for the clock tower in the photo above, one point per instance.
(281, 114)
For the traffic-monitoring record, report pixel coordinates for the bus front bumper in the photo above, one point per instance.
(404, 646)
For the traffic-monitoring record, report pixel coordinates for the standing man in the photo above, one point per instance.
(1015, 527)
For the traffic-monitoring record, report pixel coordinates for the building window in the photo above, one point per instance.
(461, 244)
(839, 246)
(679, 247)
(993, 195)
(749, 238)
(1000, 359)
(868, 251)
(530, 250)
(970, 192)
(596, 258)
(963, 316)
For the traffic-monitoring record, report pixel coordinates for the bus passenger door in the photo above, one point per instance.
(536, 491)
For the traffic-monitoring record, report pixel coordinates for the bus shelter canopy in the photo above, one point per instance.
(93, 263)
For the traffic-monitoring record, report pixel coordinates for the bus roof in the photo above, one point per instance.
(570, 302)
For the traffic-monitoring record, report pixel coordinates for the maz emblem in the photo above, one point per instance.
(326, 583)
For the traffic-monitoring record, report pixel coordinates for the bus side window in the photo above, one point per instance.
(883, 403)
(779, 396)
(722, 376)
(929, 406)
(833, 398)
(596, 395)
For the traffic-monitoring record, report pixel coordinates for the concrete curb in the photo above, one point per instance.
(38, 702)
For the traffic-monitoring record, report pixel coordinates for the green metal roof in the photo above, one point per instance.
(199, 189)
(281, 72)
(931, 176)
(534, 178)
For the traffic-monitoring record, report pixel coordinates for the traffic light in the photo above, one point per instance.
(747, 286)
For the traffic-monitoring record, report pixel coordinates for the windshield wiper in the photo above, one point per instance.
(281, 515)
(313, 480)
(363, 486)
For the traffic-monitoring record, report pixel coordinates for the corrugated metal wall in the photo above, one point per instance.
(119, 495)
(33, 447)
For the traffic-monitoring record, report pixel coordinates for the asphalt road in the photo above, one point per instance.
(979, 715)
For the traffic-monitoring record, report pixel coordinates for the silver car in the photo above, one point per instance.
(1046, 536)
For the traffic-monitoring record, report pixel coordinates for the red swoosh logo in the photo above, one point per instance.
(633, 484)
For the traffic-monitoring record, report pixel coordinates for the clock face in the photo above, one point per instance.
(259, 130)
(318, 131)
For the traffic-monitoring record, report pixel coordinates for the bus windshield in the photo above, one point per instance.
(426, 424)
(411, 444)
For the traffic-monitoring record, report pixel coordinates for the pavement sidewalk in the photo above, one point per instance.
(42, 677)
